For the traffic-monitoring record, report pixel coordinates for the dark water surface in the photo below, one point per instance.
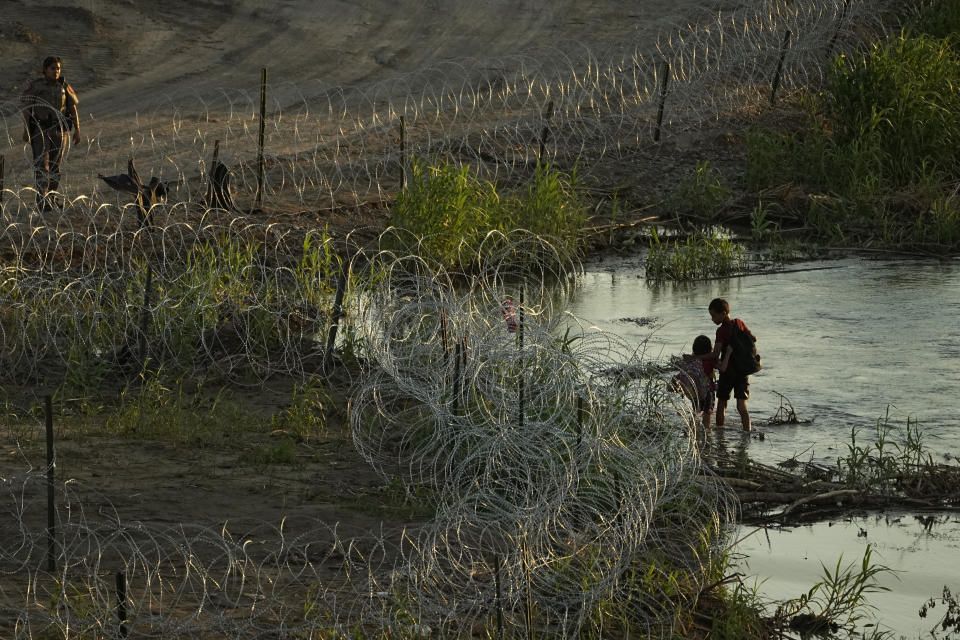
(843, 340)
(846, 342)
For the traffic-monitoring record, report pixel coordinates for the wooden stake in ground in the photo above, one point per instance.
(122, 605)
(213, 167)
(545, 131)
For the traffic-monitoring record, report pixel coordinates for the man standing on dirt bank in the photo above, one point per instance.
(49, 111)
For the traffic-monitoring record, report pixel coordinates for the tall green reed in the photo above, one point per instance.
(704, 254)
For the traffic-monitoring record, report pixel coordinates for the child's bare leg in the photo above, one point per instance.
(721, 411)
(744, 414)
(706, 419)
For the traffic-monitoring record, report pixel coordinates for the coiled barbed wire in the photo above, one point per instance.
(326, 150)
(531, 449)
(555, 483)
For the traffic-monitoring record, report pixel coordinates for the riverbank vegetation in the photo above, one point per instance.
(889, 467)
(451, 216)
(876, 148)
(705, 253)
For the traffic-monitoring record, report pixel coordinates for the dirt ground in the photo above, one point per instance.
(209, 479)
(128, 56)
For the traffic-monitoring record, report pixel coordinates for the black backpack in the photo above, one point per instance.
(744, 359)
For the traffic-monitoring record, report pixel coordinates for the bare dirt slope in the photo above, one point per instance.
(133, 55)
(134, 62)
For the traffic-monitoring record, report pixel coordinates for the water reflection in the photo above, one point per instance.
(922, 549)
(843, 343)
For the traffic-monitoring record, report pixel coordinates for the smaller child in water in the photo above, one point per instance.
(696, 379)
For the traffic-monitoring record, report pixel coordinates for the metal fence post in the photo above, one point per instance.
(51, 479)
(776, 76)
(263, 115)
(663, 99)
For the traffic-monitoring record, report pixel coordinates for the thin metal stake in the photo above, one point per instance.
(529, 598)
(122, 604)
(522, 389)
(443, 334)
(263, 115)
(496, 581)
(456, 379)
(776, 76)
(663, 99)
(836, 32)
(51, 479)
(403, 152)
(545, 132)
(213, 167)
(3, 164)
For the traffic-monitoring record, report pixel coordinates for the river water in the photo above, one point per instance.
(849, 343)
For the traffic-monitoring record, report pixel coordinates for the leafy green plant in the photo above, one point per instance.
(887, 464)
(307, 414)
(879, 145)
(78, 605)
(739, 613)
(761, 226)
(153, 408)
(897, 105)
(940, 225)
(701, 193)
(838, 600)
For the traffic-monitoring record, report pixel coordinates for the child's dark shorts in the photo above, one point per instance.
(736, 382)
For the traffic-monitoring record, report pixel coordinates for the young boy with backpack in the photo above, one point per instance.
(736, 353)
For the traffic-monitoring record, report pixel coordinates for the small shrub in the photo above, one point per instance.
(882, 144)
(702, 193)
(704, 254)
(837, 602)
(154, 410)
(451, 213)
(307, 414)
(761, 226)
(898, 106)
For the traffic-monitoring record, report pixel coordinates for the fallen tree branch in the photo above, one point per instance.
(820, 497)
